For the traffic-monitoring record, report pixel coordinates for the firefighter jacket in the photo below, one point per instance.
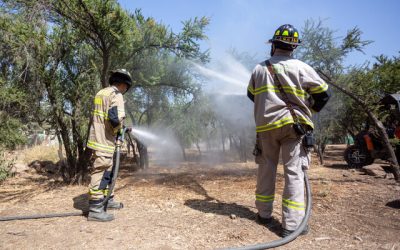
(306, 91)
(108, 115)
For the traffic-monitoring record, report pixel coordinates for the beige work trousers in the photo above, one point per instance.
(101, 164)
(295, 157)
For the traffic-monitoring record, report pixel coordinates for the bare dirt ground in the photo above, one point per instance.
(202, 206)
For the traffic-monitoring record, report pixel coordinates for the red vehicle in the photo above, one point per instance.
(368, 146)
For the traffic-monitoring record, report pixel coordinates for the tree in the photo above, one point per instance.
(322, 52)
(19, 102)
(57, 53)
(104, 25)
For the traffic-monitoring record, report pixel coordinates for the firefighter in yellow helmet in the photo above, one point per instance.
(108, 116)
(285, 92)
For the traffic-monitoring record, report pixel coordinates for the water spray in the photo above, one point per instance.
(144, 135)
(164, 147)
(230, 77)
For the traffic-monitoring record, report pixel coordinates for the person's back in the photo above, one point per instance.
(105, 115)
(285, 92)
(299, 81)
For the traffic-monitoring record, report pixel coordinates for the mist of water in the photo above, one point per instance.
(225, 83)
(144, 136)
(227, 77)
(163, 147)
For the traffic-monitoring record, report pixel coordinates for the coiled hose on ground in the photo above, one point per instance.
(291, 237)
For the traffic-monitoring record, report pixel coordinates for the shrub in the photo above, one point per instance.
(10, 132)
(5, 166)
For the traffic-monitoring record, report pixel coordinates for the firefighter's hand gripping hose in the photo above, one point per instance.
(295, 234)
(120, 139)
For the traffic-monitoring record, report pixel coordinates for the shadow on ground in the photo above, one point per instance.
(342, 166)
(81, 202)
(394, 204)
(229, 209)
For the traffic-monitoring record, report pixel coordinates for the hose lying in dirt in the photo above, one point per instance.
(111, 188)
(266, 245)
(295, 234)
(40, 216)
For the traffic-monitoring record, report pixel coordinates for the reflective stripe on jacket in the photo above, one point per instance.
(108, 114)
(299, 81)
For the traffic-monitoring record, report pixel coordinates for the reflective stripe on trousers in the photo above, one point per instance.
(294, 157)
(100, 165)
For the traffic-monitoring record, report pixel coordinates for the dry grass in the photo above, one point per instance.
(200, 206)
(39, 153)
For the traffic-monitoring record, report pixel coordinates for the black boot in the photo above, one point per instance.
(112, 204)
(286, 232)
(97, 212)
(263, 221)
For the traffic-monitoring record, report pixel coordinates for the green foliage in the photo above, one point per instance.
(395, 141)
(13, 106)
(385, 74)
(5, 166)
(352, 41)
(55, 55)
(321, 49)
(326, 53)
(11, 133)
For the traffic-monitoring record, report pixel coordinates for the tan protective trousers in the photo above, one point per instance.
(102, 166)
(294, 157)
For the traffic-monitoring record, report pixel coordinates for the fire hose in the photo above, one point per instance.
(265, 245)
(120, 139)
(292, 236)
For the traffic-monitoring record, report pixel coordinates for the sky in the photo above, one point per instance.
(246, 24)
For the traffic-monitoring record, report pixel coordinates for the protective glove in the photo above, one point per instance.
(127, 129)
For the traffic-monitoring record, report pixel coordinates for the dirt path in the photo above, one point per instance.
(199, 206)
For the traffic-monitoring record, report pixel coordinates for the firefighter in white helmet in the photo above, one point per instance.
(285, 92)
(108, 116)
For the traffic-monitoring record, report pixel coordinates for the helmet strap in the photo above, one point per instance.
(272, 52)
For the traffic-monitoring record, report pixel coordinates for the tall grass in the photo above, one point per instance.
(40, 153)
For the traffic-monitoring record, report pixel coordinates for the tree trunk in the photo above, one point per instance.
(183, 152)
(231, 144)
(242, 149)
(320, 149)
(84, 157)
(104, 71)
(381, 129)
(132, 117)
(208, 142)
(238, 146)
(320, 154)
(71, 155)
(69, 170)
(60, 145)
(222, 139)
(144, 156)
(198, 147)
